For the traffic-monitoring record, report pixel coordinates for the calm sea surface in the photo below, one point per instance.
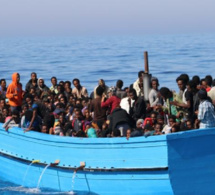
(109, 58)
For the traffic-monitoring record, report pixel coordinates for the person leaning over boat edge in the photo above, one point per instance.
(15, 93)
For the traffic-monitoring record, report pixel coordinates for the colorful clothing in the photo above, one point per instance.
(15, 88)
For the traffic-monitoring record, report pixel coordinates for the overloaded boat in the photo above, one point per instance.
(178, 163)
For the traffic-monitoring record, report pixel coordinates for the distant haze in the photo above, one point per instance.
(98, 17)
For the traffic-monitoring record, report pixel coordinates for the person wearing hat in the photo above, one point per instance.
(206, 113)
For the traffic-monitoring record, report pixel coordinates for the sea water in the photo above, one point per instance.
(105, 57)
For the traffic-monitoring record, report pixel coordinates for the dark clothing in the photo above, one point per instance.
(29, 85)
(39, 91)
(120, 93)
(119, 116)
(189, 97)
(138, 111)
(99, 112)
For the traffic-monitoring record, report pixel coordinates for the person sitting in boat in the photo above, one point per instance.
(158, 129)
(206, 113)
(59, 125)
(76, 125)
(138, 84)
(168, 127)
(112, 102)
(15, 93)
(3, 88)
(137, 109)
(67, 89)
(32, 82)
(79, 91)
(4, 114)
(26, 121)
(41, 88)
(13, 121)
(148, 130)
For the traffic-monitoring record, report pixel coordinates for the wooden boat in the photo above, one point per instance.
(180, 163)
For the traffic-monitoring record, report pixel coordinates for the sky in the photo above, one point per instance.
(108, 17)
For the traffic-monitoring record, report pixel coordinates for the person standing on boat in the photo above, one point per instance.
(186, 103)
(206, 113)
(41, 88)
(138, 84)
(99, 113)
(79, 91)
(53, 88)
(137, 109)
(15, 93)
(32, 82)
(104, 86)
(153, 94)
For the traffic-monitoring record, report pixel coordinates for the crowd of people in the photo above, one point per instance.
(107, 111)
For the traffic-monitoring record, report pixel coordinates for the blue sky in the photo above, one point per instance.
(97, 17)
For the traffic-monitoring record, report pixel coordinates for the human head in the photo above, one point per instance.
(172, 120)
(128, 133)
(165, 92)
(189, 125)
(203, 84)
(191, 86)
(181, 83)
(119, 84)
(16, 78)
(33, 76)
(54, 81)
(153, 116)
(141, 75)
(40, 82)
(3, 83)
(209, 80)
(139, 123)
(154, 83)
(158, 127)
(132, 94)
(67, 85)
(196, 79)
(78, 114)
(202, 94)
(44, 129)
(175, 128)
(185, 78)
(101, 83)
(76, 82)
(160, 119)
(99, 91)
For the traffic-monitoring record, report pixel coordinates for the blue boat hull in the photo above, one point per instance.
(173, 164)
